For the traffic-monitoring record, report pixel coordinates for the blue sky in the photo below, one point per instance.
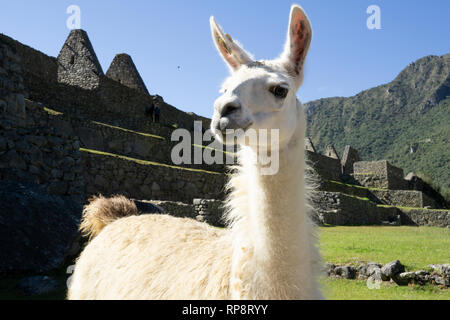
(345, 57)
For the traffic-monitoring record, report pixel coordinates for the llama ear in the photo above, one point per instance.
(298, 40)
(230, 51)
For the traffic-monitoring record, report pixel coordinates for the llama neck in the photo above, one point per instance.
(272, 233)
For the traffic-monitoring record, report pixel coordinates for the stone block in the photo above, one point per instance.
(327, 168)
(379, 174)
(404, 198)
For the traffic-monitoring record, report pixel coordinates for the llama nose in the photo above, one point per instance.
(229, 108)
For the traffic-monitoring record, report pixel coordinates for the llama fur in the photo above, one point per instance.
(267, 251)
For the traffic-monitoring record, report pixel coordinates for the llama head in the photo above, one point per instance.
(261, 94)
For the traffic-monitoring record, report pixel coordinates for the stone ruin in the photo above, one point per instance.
(69, 131)
(354, 192)
(78, 64)
(124, 71)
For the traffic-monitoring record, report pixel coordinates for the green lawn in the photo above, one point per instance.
(415, 247)
(342, 289)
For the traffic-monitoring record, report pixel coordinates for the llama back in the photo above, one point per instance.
(127, 261)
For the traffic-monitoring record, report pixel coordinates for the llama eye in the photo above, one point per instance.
(279, 91)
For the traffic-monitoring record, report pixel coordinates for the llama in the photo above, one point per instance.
(268, 250)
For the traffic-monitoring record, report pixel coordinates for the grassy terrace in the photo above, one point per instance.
(56, 113)
(145, 162)
(156, 136)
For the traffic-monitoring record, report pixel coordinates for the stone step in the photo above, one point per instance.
(203, 210)
(405, 198)
(335, 208)
(110, 174)
(109, 138)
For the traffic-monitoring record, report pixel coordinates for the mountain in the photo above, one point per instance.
(406, 121)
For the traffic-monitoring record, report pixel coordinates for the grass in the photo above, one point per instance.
(411, 208)
(356, 186)
(145, 162)
(356, 197)
(415, 247)
(128, 130)
(342, 289)
(52, 112)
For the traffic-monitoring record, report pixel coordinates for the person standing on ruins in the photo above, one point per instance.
(157, 112)
(149, 111)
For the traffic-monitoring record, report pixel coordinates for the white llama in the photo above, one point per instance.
(268, 250)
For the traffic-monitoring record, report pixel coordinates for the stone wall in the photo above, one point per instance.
(12, 91)
(326, 167)
(42, 155)
(425, 217)
(108, 175)
(204, 210)
(32, 149)
(335, 208)
(175, 208)
(403, 198)
(416, 183)
(103, 137)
